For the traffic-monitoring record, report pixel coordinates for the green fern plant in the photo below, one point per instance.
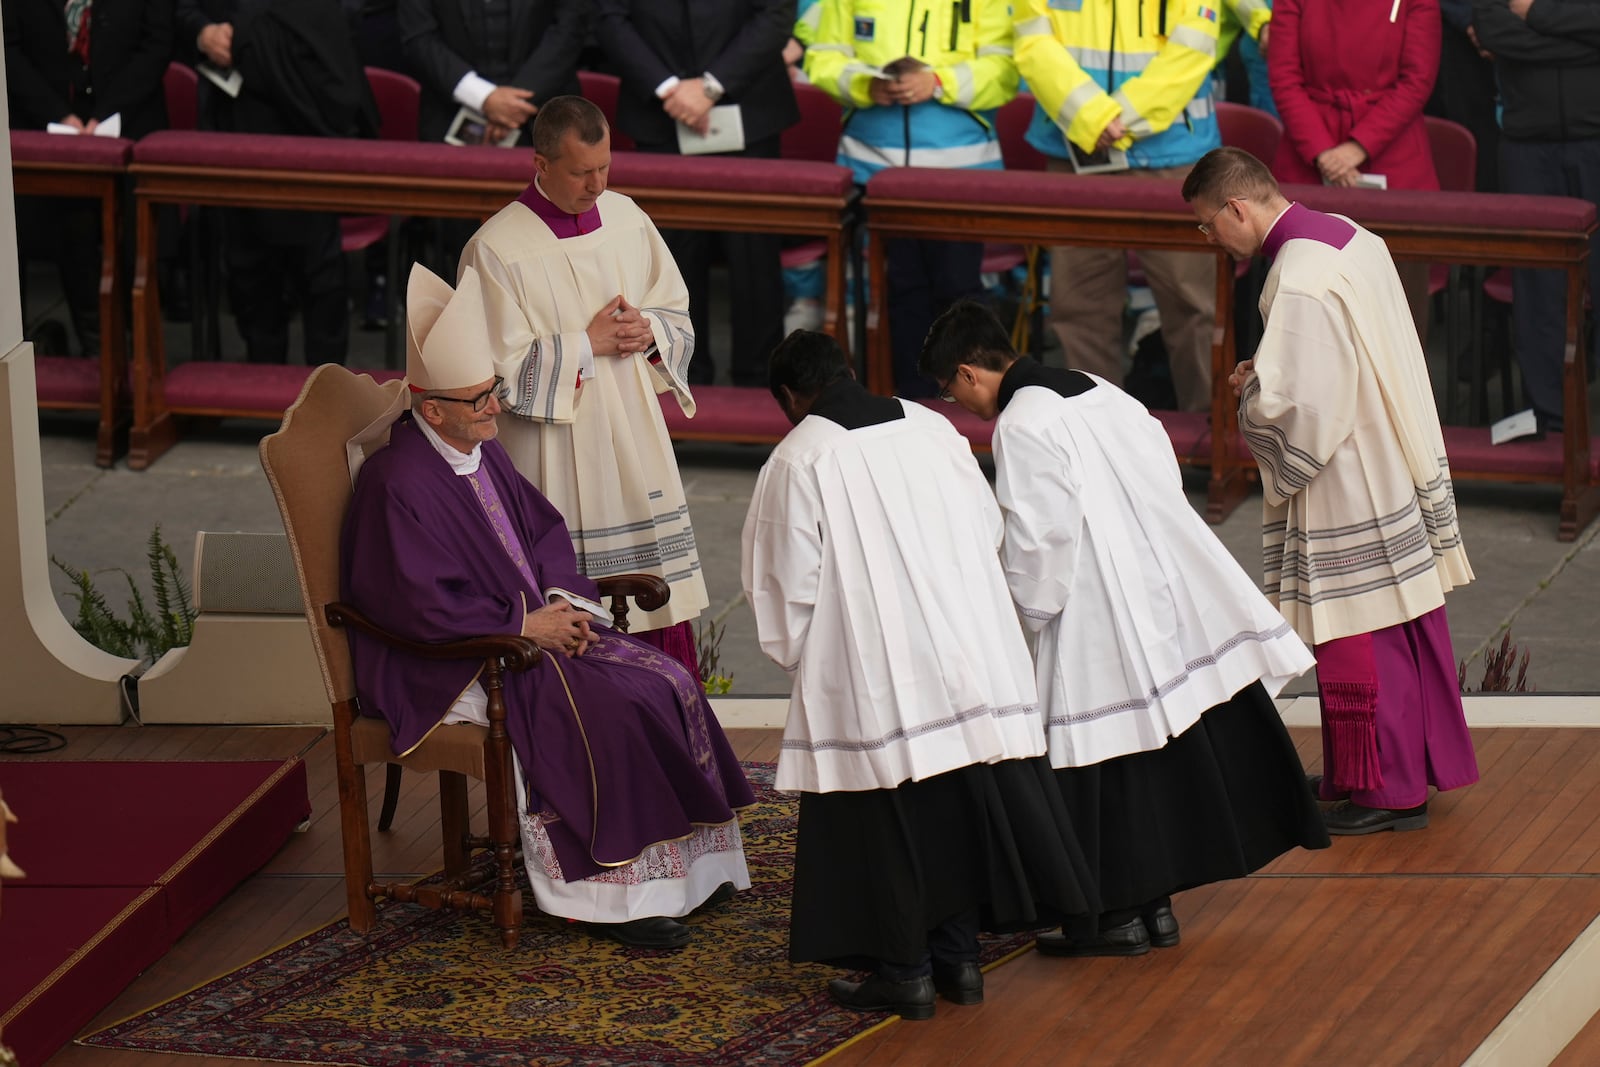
(708, 650)
(142, 635)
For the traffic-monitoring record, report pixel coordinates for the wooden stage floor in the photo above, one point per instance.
(1389, 949)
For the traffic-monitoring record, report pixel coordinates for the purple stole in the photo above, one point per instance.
(489, 500)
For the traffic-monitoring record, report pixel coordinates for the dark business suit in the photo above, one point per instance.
(130, 44)
(740, 42)
(302, 77)
(445, 40)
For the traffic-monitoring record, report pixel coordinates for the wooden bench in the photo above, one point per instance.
(94, 168)
(378, 177)
(1470, 228)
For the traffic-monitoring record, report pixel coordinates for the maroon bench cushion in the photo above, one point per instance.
(103, 153)
(256, 390)
(65, 382)
(401, 159)
(727, 413)
(1467, 211)
(1154, 196)
(1143, 196)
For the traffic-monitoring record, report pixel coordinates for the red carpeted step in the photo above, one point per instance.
(122, 858)
(68, 953)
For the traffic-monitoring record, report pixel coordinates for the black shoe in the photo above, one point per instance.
(959, 983)
(1314, 783)
(1162, 926)
(656, 931)
(1129, 939)
(1349, 818)
(720, 895)
(909, 1000)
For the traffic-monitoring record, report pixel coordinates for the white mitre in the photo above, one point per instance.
(447, 333)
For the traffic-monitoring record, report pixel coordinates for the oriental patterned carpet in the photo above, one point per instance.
(434, 987)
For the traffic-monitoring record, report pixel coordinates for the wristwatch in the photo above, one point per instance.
(713, 88)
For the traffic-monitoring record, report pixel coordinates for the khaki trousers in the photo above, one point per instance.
(1088, 290)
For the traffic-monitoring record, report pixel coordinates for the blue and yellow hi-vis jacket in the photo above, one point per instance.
(1146, 61)
(807, 15)
(968, 44)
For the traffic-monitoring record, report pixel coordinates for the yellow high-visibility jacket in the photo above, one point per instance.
(1146, 61)
(968, 45)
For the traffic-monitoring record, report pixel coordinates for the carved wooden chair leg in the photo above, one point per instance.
(391, 796)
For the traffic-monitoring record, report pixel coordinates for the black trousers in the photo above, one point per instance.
(67, 233)
(1464, 93)
(1539, 297)
(925, 277)
(277, 263)
(755, 287)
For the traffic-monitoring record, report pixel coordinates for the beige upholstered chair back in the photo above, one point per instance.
(307, 465)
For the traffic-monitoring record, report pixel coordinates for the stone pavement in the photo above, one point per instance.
(99, 519)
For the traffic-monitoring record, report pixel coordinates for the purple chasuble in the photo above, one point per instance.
(1301, 223)
(619, 745)
(562, 223)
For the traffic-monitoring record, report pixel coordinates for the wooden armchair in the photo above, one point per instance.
(305, 462)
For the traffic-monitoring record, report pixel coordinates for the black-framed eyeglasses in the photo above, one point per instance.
(480, 401)
(944, 391)
(1205, 227)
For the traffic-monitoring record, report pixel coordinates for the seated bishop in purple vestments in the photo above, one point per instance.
(630, 786)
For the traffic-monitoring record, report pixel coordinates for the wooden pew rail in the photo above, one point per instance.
(1467, 228)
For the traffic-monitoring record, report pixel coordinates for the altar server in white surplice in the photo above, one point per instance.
(1157, 656)
(927, 811)
(589, 320)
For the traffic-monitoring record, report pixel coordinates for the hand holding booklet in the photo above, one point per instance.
(724, 133)
(110, 126)
(229, 81)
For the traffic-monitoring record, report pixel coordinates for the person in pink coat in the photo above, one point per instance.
(1350, 78)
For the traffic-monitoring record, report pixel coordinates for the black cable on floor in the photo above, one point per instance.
(29, 740)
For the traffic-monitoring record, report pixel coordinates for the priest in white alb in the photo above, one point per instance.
(1157, 656)
(1360, 541)
(588, 320)
(927, 810)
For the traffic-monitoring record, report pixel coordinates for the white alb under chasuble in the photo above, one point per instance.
(599, 451)
(1144, 620)
(1359, 529)
(892, 617)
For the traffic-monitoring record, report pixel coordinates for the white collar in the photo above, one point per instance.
(460, 462)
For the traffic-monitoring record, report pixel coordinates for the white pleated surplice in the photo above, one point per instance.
(1144, 619)
(869, 559)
